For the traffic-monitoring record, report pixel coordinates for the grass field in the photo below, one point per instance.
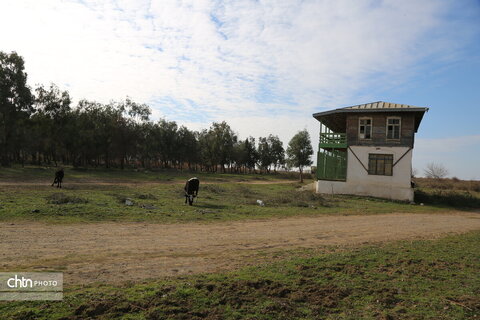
(101, 195)
(422, 279)
(448, 192)
(41, 174)
(429, 279)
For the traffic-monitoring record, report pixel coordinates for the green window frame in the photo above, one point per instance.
(380, 164)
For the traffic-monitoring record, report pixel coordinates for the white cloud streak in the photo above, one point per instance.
(225, 56)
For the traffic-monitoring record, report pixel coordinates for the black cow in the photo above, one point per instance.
(191, 190)
(58, 178)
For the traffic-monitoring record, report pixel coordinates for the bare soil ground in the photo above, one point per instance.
(117, 252)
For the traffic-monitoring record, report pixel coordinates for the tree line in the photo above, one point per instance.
(41, 126)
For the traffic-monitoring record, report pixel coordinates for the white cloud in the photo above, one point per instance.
(283, 126)
(228, 55)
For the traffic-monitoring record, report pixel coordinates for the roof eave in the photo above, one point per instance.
(326, 113)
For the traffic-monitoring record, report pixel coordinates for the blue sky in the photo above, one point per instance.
(265, 66)
(450, 131)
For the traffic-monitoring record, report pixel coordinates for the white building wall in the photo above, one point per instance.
(359, 182)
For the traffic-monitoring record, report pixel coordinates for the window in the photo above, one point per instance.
(365, 128)
(380, 164)
(393, 128)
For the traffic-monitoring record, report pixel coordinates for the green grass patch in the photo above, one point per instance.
(430, 279)
(36, 174)
(462, 194)
(165, 203)
(157, 196)
(451, 198)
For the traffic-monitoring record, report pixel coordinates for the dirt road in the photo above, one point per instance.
(115, 252)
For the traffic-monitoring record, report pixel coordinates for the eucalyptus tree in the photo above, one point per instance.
(251, 153)
(52, 107)
(187, 147)
(208, 153)
(223, 139)
(277, 153)
(93, 135)
(264, 154)
(270, 153)
(45, 127)
(167, 141)
(146, 144)
(245, 154)
(15, 105)
(127, 118)
(299, 151)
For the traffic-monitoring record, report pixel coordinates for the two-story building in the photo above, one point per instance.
(367, 150)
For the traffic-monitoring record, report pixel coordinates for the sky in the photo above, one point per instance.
(265, 66)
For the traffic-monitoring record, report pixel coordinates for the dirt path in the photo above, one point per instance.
(115, 252)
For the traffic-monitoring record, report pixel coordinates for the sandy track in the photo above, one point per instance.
(115, 252)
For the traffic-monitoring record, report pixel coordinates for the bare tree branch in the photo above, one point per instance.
(435, 171)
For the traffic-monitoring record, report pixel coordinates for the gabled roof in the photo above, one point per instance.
(383, 105)
(336, 119)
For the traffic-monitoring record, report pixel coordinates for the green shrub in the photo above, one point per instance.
(213, 188)
(62, 198)
(450, 198)
(144, 196)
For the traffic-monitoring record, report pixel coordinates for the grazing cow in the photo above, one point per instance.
(58, 178)
(191, 190)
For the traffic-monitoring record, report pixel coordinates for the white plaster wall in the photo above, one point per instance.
(359, 182)
(401, 172)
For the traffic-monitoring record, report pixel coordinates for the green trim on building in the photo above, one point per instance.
(332, 164)
(333, 140)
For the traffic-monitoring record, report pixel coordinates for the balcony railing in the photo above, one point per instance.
(333, 140)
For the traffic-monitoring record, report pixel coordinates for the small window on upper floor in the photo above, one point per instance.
(365, 128)
(393, 128)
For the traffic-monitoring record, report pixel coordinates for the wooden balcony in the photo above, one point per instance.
(333, 140)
